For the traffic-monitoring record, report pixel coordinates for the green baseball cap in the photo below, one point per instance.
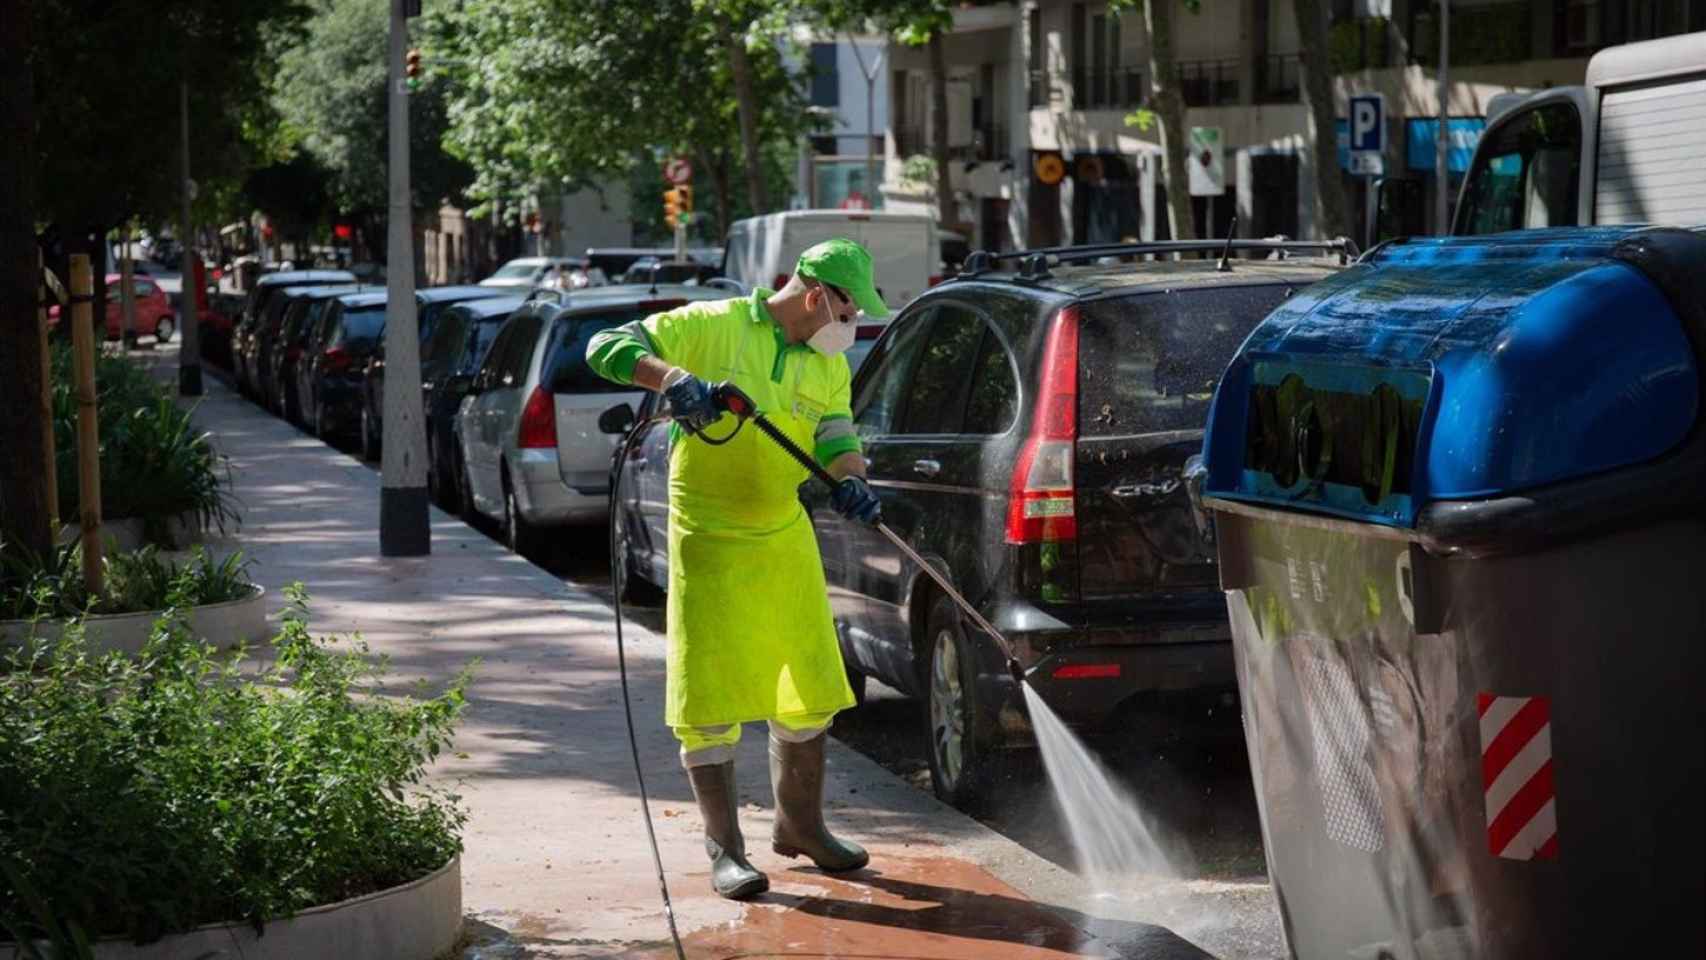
(842, 263)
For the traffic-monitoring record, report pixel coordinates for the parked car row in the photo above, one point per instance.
(510, 406)
(1027, 433)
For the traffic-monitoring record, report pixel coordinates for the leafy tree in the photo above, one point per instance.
(1317, 72)
(331, 91)
(1166, 108)
(293, 194)
(107, 82)
(555, 95)
(25, 471)
(90, 95)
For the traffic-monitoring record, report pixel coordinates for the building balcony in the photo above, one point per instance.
(1208, 83)
(1281, 79)
(1109, 89)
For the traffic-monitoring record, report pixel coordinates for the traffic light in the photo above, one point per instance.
(684, 199)
(672, 206)
(412, 68)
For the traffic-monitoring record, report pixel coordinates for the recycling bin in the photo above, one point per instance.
(1459, 498)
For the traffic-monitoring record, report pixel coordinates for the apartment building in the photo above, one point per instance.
(848, 87)
(1042, 96)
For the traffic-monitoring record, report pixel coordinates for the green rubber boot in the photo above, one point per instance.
(731, 876)
(796, 772)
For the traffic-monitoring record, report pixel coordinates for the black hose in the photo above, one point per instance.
(622, 667)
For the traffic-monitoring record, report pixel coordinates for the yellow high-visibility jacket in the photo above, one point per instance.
(750, 634)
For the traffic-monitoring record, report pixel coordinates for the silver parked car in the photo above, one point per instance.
(531, 450)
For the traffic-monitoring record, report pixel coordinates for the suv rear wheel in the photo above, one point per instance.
(962, 759)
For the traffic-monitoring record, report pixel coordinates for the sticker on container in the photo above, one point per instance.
(1516, 773)
(1342, 742)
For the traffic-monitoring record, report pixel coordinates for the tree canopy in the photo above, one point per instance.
(107, 80)
(331, 90)
(547, 94)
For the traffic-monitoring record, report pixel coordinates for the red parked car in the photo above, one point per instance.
(154, 313)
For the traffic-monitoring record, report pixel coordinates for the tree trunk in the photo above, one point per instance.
(1170, 114)
(24, 471)
(717, 165)
(734, 42)
(1318, 97)
(947, 210)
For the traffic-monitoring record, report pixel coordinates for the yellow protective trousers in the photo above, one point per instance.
(708, 746)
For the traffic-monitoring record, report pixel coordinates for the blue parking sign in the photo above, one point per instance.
(1368, 123)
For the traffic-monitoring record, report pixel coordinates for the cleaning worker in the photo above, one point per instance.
(750, 634)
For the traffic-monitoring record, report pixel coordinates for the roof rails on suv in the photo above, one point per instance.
(1034, 264)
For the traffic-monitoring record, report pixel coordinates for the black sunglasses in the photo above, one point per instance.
(843, 297)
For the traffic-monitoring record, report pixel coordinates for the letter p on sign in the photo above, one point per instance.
(1368, 123)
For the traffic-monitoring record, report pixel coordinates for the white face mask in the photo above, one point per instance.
(835, 336)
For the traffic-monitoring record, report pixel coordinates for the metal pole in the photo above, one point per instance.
(403, 529)
(1442, 175)
(870, 75)
(88, 430)
(189, 338)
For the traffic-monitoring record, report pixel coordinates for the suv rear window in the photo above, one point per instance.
(365, 323)
(566, 370)
(1149, 363)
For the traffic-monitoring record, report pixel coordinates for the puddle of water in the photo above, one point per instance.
(1116, 846)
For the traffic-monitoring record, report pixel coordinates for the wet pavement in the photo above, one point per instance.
(934, 907)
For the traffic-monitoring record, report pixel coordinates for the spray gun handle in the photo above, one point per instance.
(727, 396)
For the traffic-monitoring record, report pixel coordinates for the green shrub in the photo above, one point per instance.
(144, 796)
(154, 464)
(135, 582)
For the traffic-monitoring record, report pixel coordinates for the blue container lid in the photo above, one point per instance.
(1454, 369)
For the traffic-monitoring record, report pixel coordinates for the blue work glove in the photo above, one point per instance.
(854, 499)
(690, 402)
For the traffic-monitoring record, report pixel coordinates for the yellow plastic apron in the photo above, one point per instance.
(750, 634)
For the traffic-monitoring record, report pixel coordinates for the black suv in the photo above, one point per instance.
(1026, 425)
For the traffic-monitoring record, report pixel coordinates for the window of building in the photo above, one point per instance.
(1080, 77)
(826, 81)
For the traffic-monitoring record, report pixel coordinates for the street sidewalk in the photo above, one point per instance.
(556, 861)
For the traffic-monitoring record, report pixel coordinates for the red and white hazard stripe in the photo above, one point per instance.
(1516, 773)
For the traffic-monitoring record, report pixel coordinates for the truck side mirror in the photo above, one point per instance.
(1396, 209)
(616, 420)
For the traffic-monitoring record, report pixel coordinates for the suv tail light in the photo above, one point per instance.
(1040, 501)
(935, 278)
(1088, 671)
(538, 422)
(337, 359)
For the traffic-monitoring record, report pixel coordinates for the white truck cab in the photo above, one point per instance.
(905, 248)
(1627, 147)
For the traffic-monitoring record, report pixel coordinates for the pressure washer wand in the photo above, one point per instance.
(729, 397)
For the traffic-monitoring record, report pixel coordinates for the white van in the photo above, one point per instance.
(761, 251)
(1624, 148)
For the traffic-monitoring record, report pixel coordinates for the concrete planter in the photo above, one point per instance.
(221, 624)
(126, 534)
(421, 920)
